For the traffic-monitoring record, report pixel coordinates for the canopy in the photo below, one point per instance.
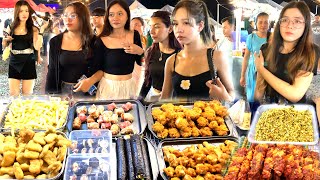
(136, 5)
(167, 8)
(7, 3)
(34, 6)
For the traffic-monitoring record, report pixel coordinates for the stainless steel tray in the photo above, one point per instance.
(152, 156)
(65, 158)
(263, 108)
(139, 123)
(151, 121)
(40, 98)
(181, 144)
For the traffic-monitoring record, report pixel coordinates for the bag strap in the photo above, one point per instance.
(213, 72)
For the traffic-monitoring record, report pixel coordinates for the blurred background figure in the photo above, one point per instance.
(97, 16)
(316, 29)
(137, 24)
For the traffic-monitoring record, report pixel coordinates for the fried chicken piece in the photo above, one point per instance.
(222, 130)
(28, 177)
(42, 176)
(174, 133)
(206, 131)
(171, 124)
(191, 172)
(181, 123)
(49, 158)
(31, 154)
(44, 151)
(8, 158)
(180, 171)
(195, 132)
(63, 142)
(9, 147)
(212, 159)
(175, 178)
(172, 160)
(216, 168)
(157, 127)
(32, 146)
(24, 167)
(20, 157)
(202, 122)
(187, 177)
(35, 166)
(55, 167)
(62, 152)
(209, 176)
(191, 123)
(50, 137)
(167, 107)
(169, 171)
(55, 151)
(193, 114)
(39, 138)
(179, 108)
(44, 168)
(200, 104)
(201, 169)
(171, 115)
(18, 173)
(209, 116)
(183, 160)
(199, 157)
(199, 178)
(26, 135)
(163, 134)
(7, 170)
(186, 132)
(156, 112)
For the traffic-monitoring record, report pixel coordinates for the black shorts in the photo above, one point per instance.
(28, 71)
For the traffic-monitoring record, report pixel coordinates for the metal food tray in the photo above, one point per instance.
(263, 108)
(139, 123)
(40, 98)
(152, 156)
(182, 144)
(229, 123)
(65, 157)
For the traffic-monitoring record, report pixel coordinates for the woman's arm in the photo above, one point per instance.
(244, 67)
(259, 90)
(224, 89)
(167, 84)
(38, 36)
(292, 92)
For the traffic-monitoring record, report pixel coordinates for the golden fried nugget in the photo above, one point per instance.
(195, 132)
(8, 158)
(26, 135)
(6, 176)
(18, 173)
(186, 132)
(187, 177)
(39, 138)
(50, 137)
(157, 127)
(32, 146)
(44, 168)
(156, 112)
(174, 133)
(44, 151)
(53, 174)
(162, 119)
(206, 132)
(181, 123)
(24, 167)
(201, 169)
(169, 171)
(50, 130)
(191, 172)
(200, 104)
(49, 158)
(171, 124)
(9, 147)
(192, 114)
(31, 154)
(209, 116)
(20, 157)
(55, 167)
(213, 125)
(7, 170)
(209, 176)
(167, 107)
(180, 171)
(42, 176)
(171, 115)
(35, 166)
(62, 152)
(191, 123)
(163, 134)
(64, 142)
(212, 158)
(10, 139)
(202, 122)
(175, 178)
(55, 151)
(179, 108)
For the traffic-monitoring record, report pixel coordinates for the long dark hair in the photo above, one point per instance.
(107, 28)
(16, 20)
(303, 55)
(173, 43)
(199, 11)
(85, 28)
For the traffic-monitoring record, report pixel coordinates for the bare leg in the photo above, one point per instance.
(14, 87)
(27, 86)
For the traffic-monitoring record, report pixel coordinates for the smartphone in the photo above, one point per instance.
(92, 89)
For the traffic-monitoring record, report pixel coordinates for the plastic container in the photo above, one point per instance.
(182, 144)
(91, 142)
(263, 108)
(87, 167)
(138, 112)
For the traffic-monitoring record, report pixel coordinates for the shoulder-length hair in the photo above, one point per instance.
(85, 28)
(303, 55)
(16, 20)
(107, 28)
(173, 43)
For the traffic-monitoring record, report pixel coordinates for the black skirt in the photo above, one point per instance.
(28, 70)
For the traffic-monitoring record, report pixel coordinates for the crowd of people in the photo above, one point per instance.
(107, 49)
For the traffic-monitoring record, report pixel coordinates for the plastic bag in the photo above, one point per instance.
(6, 53)
(240, 114)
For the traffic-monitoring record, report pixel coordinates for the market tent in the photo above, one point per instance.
(7, 3)
(138, 10)
(136, 5)
(167, 8)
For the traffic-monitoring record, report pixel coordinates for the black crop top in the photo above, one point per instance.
(73, 65)
(117, 61)
(156, 69)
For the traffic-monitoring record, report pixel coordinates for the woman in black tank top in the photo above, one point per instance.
(25, 40)
(187, 73)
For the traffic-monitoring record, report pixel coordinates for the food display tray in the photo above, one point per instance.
(263, 108)
(152, 156)
(138, 111)
(57, 177)
(31, 97)
(182, 144)
(151, 121)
